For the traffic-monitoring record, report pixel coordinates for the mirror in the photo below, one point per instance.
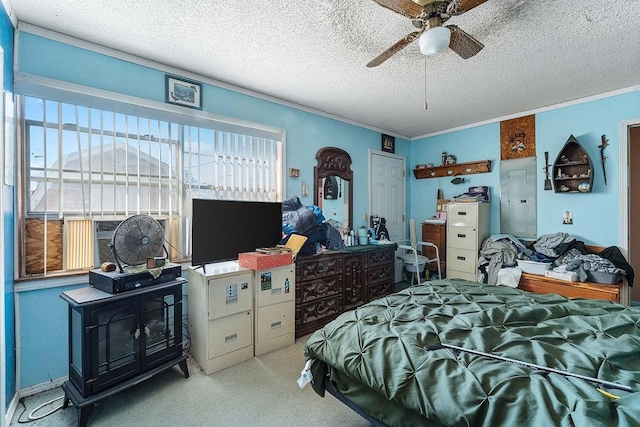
(333, 185)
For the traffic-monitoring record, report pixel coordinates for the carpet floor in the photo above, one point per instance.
(258, 392)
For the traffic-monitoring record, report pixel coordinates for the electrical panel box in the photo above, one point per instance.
(518, 197)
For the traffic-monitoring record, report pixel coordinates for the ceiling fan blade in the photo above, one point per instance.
(400, 44)
(458, 7)
(403, 7)
(462, 43)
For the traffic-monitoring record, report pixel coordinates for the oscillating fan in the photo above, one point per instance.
(137, 238)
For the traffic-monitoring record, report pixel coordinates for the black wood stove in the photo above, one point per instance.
(119, 340)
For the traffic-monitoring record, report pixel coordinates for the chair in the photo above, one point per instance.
(415, 263)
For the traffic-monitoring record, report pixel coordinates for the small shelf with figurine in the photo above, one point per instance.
(572, 170)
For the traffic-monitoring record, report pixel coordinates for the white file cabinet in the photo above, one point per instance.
(467, 228)
(220, 315)
(274, 308)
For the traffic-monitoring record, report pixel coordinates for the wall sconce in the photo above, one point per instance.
(304, 189)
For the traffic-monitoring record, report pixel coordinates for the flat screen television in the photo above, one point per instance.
(221, 229)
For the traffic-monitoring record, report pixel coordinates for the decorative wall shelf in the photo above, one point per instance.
(572, 170)
(481, 166)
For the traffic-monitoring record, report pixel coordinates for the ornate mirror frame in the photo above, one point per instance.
(337, 162)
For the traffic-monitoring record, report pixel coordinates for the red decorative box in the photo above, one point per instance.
(261, 261)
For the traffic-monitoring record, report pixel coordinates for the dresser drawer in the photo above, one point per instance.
(274, 321)
(463, 238)
(379, 290)
(320, 288)
(230, 295)
(274, 286)
(229, 333)
(317, 310)
(316, 267)
(381, 257)
(462, 260)
(381, 273)
(433, 233)
(462, 215)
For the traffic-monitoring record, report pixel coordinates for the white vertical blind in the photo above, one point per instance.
(123, 164)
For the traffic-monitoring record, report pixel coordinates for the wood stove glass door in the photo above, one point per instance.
(161, 326)
(115, 342)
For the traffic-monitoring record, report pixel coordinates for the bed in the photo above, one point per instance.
(374, 358)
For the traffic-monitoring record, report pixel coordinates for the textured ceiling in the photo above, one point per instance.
(314, 53)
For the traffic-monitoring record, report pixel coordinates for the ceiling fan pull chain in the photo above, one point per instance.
(425, 82)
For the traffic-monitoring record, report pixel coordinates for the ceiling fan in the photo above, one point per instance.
(428, 16)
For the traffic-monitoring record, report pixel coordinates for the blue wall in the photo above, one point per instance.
(45, 330)
(6, 41)
(478, 143)
(43, 314)
(595, 214)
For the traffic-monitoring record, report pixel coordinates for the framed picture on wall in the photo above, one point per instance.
(518, 138)
(388, 143)
(187, 93)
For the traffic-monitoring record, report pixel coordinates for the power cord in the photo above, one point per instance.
(31, 417)
(174, 248)
(186, 341)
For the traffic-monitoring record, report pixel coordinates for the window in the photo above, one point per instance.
(86, 169)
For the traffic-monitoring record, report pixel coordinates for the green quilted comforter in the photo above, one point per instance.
(375, 355)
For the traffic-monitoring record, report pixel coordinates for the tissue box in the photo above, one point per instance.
(262, 261)
(569, 276)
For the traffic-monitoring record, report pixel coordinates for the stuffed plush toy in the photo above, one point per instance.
(381, 230)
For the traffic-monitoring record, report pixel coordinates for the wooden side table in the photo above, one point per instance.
(436, 234)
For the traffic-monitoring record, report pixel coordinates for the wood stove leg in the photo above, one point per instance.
(183, 367)
(65, 402)
(84, 413)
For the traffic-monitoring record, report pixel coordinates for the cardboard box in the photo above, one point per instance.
(262, 261)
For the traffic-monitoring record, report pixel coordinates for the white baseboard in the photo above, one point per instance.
(39, 388)
(11, 409)
(30, 391)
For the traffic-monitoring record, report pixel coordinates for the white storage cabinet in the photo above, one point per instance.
(274, 308)
(467, 228)
(220, 315)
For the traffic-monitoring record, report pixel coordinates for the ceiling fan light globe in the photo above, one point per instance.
(434, 40)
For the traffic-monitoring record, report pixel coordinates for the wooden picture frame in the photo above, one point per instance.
(388, 143)
(184, 92)
(518, 138)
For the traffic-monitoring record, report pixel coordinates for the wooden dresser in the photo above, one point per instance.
(331, 283)
(436, 234)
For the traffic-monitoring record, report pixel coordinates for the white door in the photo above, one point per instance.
(387, 194)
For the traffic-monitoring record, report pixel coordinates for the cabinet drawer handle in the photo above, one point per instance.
(462, 213)
(461, 258)
(276, 325)
(462, 236)
(230, 338)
